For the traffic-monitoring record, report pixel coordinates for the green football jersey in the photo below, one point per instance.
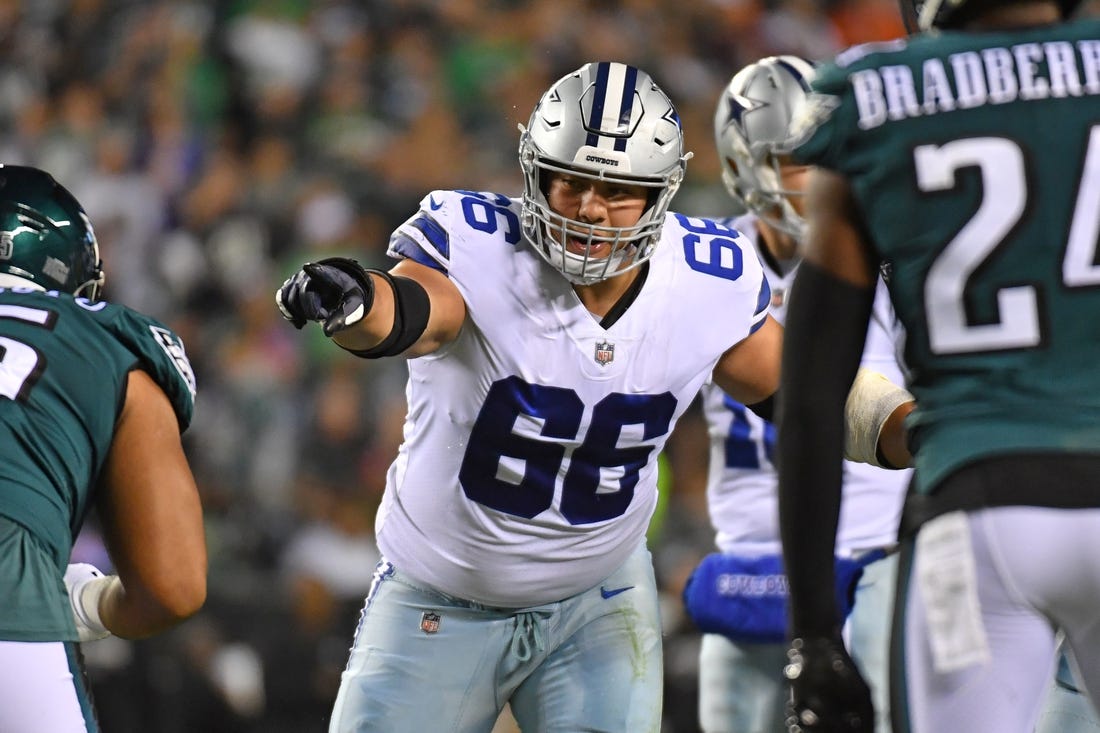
(64, 365)
(975, 160)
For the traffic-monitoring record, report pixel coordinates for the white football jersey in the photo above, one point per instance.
(528, 470)
(742, 480)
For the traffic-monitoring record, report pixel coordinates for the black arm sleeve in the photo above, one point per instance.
(820, 360)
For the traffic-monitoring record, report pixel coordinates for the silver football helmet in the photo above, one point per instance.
(610, 122)
(752, 129)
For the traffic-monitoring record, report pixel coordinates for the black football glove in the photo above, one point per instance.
(336, 292)
(828, 694)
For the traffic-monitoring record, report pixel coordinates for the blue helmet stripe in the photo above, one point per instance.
(626, 105)
(795, 73)
(599, 96)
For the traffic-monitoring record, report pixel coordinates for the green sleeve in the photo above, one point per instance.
(161, 353)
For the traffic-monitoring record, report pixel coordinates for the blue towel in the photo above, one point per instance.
(745, 598)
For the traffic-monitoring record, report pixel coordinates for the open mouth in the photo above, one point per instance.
(586, 247)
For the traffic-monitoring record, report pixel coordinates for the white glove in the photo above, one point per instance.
(86, 586)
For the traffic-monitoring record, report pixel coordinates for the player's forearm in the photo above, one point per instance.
(874, 416)
(375, 325)
(416, 311)
(893, 441)
(819, 367)
(369, 312)
(809, 508)
(136, 614)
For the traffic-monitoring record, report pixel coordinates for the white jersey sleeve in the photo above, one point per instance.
(742, 480)
(528, 471)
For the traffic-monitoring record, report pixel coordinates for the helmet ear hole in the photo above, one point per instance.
(731, 163)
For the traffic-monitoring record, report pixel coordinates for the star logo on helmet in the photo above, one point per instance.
(738, 106)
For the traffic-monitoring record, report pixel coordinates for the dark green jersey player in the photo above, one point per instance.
(93, 398)
(975, 160)
(63, 377)
(965, 162)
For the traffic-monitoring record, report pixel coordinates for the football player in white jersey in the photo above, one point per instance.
(553, 341)
(741, 687)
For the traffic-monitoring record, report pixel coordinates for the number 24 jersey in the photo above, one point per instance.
(975, 158)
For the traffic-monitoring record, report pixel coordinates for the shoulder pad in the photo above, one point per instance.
(723, 258)
(445, 217)
(424, 236)
(159, 350)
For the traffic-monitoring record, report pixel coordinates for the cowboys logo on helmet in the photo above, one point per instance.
(610, 122)
(753, 132)
(45, 236)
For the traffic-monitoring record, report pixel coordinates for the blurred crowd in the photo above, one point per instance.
(216, 144)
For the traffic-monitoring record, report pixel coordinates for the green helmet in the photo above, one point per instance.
(45, 236)
(924, 15)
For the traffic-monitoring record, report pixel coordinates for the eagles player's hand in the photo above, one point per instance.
(86, 585)
(336, 292)
(828, 694)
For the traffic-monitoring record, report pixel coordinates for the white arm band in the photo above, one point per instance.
(872, 399)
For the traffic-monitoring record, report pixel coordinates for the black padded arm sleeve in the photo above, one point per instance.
(820, 360)
(411, 308)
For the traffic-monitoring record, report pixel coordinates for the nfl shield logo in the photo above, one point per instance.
(429, 622)
(605, 352)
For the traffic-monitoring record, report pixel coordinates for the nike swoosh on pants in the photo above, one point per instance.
(609, 593)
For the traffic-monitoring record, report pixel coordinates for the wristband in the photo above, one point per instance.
(85, 597)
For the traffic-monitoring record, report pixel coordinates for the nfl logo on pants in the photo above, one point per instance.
(429, 622)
